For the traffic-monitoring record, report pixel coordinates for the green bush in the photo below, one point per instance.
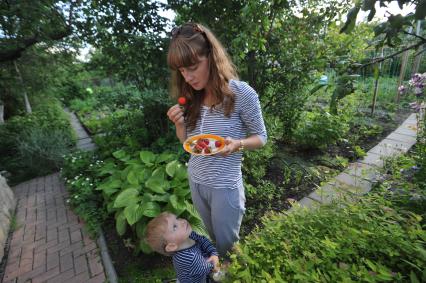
(31, 132)
(366, 241)
(319, 128)
(42, 150)
(255, 162)
(79, 171)
(137, 187)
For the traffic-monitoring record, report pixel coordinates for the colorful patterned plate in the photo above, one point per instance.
(204, 144)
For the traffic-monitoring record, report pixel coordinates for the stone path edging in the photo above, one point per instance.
(359, 177)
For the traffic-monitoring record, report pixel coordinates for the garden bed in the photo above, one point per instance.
(144, 268)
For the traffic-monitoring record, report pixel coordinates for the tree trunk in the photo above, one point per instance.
(417, 59)
(1, 114)
(21, 80)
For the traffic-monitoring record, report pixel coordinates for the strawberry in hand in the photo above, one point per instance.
(182, 101)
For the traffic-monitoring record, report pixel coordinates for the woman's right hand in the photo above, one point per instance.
(175, 115)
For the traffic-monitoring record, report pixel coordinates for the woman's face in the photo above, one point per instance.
(197, 75)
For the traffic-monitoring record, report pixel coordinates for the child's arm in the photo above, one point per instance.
(206, 245)
(191, 266)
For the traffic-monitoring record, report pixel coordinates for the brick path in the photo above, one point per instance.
(49, 243)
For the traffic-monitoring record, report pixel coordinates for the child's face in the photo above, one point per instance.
(178, 230)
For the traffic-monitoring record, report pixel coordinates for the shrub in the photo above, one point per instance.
(255, 163)
(32, 131)
(41, 150)
(137, 187)
(319, 128)
(80, 174)
(366, 241)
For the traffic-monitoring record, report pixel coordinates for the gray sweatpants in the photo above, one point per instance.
(222, 211)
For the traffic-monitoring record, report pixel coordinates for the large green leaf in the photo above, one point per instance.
(143, 174)
(110, 186)
(171, 168)
(107, 169)
(150, 209)
(155, 185)
(178, 204)
(147, 157)
(166, 157)
(191, 209)
(120, 223)
(144, 246)
(181, 191)
(126, 198)
(121, 155)
(133, 177)
(133, 213)
(181, 172)
(350, 21)
(159, 173)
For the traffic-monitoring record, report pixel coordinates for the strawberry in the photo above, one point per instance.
(207, 150)
(206, 141)
(201, 143)
(218, 144)
(182, 100)
(199, 147)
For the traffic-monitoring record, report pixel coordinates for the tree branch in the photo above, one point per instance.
(380, 59)
(416, 35)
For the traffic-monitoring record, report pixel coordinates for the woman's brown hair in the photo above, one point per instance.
(190, 42)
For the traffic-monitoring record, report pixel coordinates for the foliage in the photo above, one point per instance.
(390, 30)
(255, 162)
(24, 24)
(255, 32)
(318, 129)
(363, 241)
(80, 174)
(128, 118)
(41, 150)
(28, 141)
(137, 187)
(128, 37)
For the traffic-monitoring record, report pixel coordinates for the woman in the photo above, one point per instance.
(219, 104)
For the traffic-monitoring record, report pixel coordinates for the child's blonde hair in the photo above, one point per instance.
(155, 230)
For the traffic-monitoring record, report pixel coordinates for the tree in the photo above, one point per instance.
(275, 44)
(26, 23)
(391, 31)
(129, 37)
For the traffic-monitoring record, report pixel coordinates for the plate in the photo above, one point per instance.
(204, 144)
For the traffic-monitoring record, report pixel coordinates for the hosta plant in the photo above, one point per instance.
(138, 187)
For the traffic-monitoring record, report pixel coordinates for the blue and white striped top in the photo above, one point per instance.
(191, 264)
(217, 171)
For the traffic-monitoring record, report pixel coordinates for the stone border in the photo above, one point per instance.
(359, 177)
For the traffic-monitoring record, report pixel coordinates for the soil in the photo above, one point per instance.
(295, 188)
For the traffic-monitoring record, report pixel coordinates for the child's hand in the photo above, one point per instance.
(215, 260)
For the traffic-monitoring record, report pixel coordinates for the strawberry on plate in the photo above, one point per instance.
(204, 144)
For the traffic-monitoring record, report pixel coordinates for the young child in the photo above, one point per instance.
(194, 256)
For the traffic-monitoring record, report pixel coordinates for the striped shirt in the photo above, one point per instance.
(217, 171)
(191, 264)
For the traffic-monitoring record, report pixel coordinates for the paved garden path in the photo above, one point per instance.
(50, 243)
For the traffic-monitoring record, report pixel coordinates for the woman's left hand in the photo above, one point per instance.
(231, 146)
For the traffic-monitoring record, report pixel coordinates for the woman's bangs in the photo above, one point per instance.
(181, 54)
